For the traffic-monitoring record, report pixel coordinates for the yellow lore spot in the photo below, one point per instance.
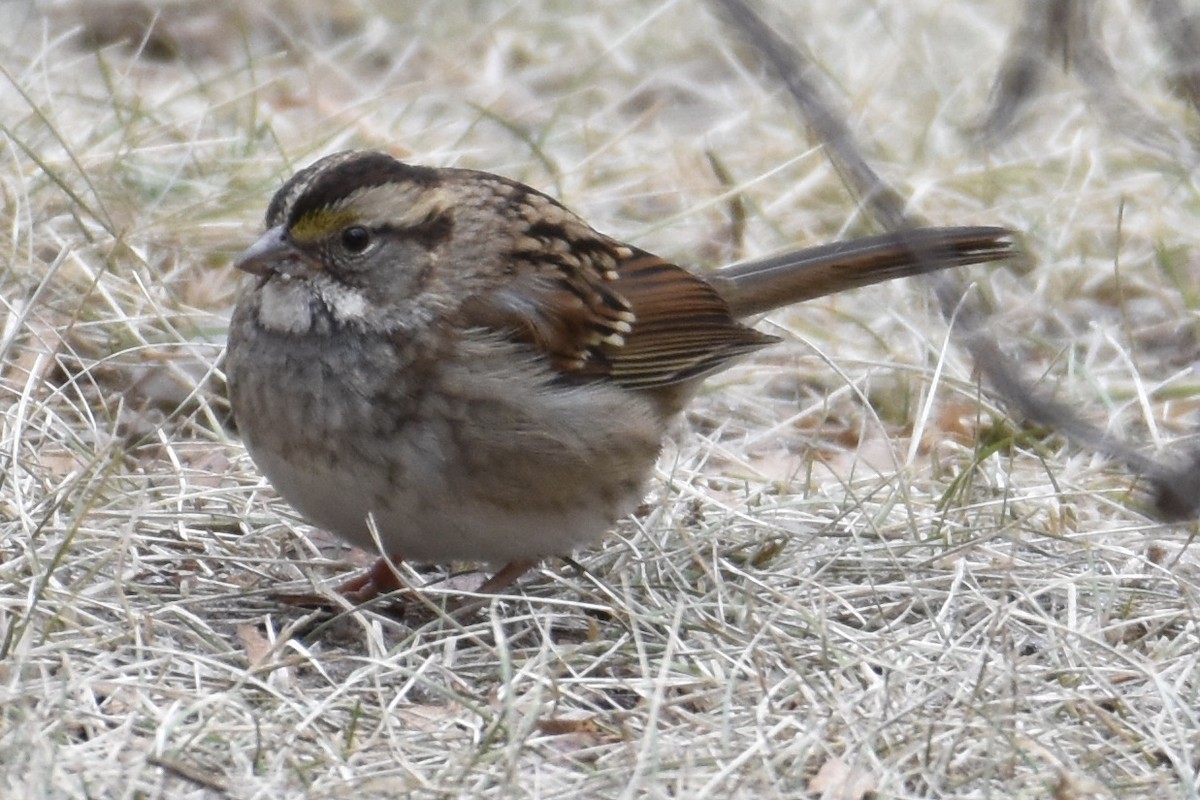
(316, 225)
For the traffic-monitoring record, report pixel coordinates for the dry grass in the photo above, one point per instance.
(851, 560)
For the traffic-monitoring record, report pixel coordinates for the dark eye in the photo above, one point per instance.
(356, 238)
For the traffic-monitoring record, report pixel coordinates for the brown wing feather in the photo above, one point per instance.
(568, 319)
(682, 328)
(610, 311)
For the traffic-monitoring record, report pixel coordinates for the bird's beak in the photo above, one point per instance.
(275, 254)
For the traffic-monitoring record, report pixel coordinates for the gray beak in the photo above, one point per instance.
(274, 253)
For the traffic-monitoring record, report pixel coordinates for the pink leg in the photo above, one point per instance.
(381, 578)
(507, 575)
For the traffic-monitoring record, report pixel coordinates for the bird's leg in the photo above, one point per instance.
(507, 575)
(381, 578)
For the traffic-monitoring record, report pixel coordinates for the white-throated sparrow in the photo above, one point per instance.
(461, 358)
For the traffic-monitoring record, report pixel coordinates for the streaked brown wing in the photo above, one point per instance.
(682, 329)
(611, 311)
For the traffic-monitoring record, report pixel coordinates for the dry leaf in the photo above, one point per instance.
(33, 361)
(428, 717)
(578, 739)
(836, 780)
(559, 726)
(1070, 786)
(256, 645)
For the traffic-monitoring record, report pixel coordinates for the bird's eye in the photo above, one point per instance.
(356, 238)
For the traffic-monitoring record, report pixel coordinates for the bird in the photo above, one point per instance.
(441, 364)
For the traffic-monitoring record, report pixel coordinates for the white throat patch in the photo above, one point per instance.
(286, 305)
